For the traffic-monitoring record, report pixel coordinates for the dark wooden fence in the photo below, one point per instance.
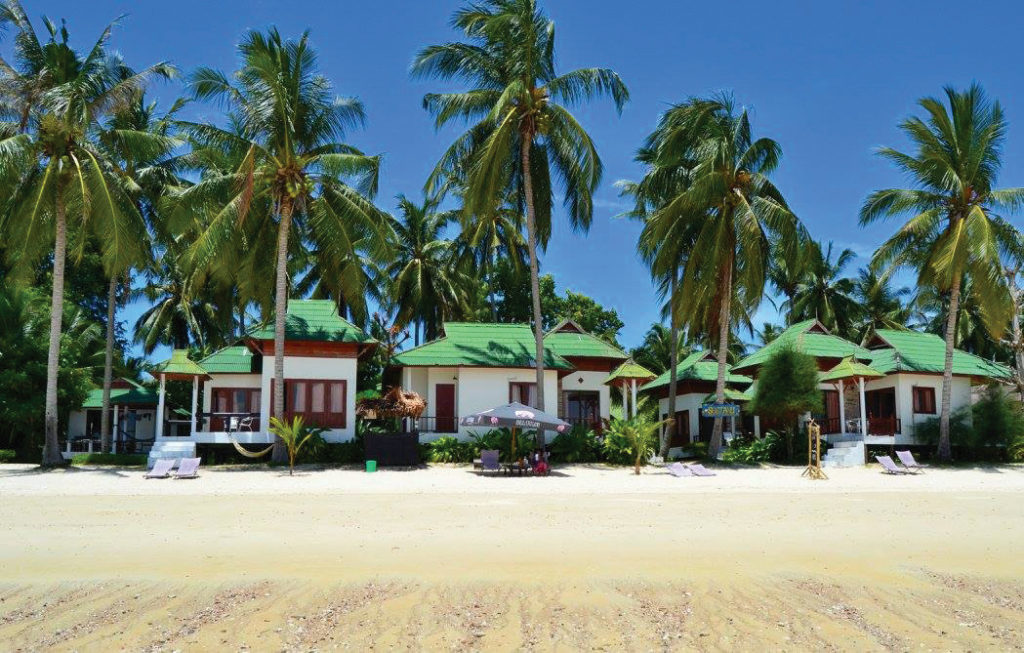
(393, 449)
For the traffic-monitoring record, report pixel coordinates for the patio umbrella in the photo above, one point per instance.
(516, 415)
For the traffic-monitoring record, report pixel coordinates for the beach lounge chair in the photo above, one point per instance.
(679, 470)
(161, 468)
(908, 461)
(889, 466)
(489, 460)
(700, 470)
(189, 468)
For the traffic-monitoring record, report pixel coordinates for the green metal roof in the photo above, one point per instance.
(180, 363)
(316, 320)
(698, 366)
(481, 344)
(629, 370)
(809, 337)
(568, 339)
(237, 359)
(848, 368)
(911, 351)
(135, 396)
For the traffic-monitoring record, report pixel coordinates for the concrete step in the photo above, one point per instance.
(171, 449)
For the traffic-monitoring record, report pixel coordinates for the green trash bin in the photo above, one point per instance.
(371, 465)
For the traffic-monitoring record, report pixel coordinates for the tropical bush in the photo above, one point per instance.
(295, 435)
(449, 449)
(577, 445)
(7, 455)
(770, 448)
(631, 441)
(995, 430)
(120, 459)
(501, 439)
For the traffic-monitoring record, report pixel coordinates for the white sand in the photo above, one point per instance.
(25, 480)
(442, 558)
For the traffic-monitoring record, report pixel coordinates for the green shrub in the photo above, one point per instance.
(631, 441)
(449, 449)
(577, 445)
(7, 455)
(770, 448)
(120, 459)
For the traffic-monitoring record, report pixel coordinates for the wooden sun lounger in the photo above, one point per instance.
(908, 461)
(889, 466)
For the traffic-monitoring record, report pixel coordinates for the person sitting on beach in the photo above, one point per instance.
(540, 463)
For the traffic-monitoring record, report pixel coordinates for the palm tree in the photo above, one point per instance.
(426, 286)
(61, 97)
(183, 310)
(487, 237)
(287, 124)
(882, 306)
(739, 217)
(658, 349)
(769, 332)
(142, 145)
(523, 140)
(954, 229)
(785, 273)
(824, 294)
(664, 244)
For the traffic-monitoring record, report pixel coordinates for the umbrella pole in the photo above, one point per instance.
(513, 445)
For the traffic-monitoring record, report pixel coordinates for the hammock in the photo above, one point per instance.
(249, 454)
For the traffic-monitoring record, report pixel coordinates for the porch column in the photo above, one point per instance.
(159, 433)
(863, 410)
(113, 439)
(634, 397)
(625, 400)
(757, 426)
(195, 402)
(842, 408)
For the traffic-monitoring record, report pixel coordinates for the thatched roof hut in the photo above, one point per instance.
(395, 403)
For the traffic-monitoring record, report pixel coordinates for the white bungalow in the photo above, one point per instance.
(890, 387)
(236, 383)
(477, 366)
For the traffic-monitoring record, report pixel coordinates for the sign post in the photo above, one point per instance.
(813, 470)
(720, 410)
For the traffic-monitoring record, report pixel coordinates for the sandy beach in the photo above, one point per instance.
(440, 558)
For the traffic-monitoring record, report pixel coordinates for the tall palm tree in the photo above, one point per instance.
(664, 244)
(427, 287)
(287, 124)
(523, 140)
(142, 145)
(954, 229)
(738, 215)
(785, 273)
(61, 97)
(882, 306)
(824, 294)
(658, 348)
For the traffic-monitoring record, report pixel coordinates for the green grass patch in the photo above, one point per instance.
(121, 459)
(7, 455)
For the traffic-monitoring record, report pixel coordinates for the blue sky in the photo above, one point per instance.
(828, 80)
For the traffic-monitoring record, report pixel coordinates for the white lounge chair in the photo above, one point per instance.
(908, 461)
(161, 468)
(189, 468)
(700, 470)
(679, 470)
(889, 466)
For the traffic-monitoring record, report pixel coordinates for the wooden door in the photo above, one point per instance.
(445, 408)
(831, 422)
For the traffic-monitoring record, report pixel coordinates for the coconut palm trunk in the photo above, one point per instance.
(280, 453)
(106, 437)
(1017, 343)
(673, 364)
(945, 448)
(724, 315)
(531, 242)
(51, 447)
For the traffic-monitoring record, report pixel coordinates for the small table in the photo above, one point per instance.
(511, 468)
